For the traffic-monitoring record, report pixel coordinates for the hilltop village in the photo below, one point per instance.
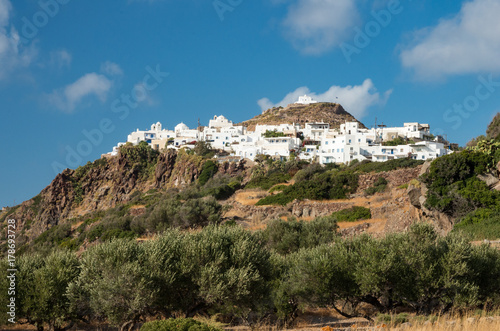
(316, 141)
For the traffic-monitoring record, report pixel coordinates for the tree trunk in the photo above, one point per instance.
(127, 325)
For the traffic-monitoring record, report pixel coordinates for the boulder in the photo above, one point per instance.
(490, 179)
(425, 168)
(414, 193)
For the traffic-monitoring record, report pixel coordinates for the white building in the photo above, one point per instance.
(320, 143)
(305, 100)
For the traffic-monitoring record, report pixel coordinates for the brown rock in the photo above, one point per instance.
(414, 193)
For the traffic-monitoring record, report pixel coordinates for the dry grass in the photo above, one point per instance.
(249, 197)
(471, 323)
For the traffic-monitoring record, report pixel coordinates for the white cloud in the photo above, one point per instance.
(69, 97)
(5, 8)
(466, 43)
(111, 69)
(316, 26)
(61, 58)
(12, 54)
(355, 99)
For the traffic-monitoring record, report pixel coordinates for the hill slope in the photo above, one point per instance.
(332, 113)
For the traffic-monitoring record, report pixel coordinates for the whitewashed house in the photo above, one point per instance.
(305, 100)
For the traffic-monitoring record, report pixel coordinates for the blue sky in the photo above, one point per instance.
(77, 76)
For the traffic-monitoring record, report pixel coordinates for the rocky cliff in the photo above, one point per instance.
(105, 184)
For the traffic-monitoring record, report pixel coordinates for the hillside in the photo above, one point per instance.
(176, 233)
(332, 113)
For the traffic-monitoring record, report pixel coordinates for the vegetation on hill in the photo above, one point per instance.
(316, 182)
(245, 276)
(493, 131)
(352, 214)
(455, 188)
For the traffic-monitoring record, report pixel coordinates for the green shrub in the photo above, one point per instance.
(481, 224)
(367, 166)
(209, 170)
(177, 324)
(352, 214)
(332, 184)
(453, 186)
(221, 187)
(398, 141)
(277, 188)
(383, 318)
(268, 181)
(400, 318)
(286, 237)
(379, 186)
(141, 158)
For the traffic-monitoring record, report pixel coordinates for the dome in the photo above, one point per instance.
(181, 127)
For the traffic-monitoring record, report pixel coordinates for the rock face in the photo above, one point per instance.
(395, 177)
(105, 185)
(490, 179)
(331, 113)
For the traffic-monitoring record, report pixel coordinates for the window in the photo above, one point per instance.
(326, 143)
(359, 140)
(342, 150)
(349, 141)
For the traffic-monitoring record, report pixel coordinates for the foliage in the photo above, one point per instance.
(229, 270)
(352, 214)
(379, 186)
(286, 237)
(331, 184)
(272, 134)
(177, 324)
(82, 171)
(209, 170)
(481, 224)
(221, 187)
(171, 212)
(141, 158)
(204, 149)
(41, 284)
(418, 269)
(453, 186)
(112, 283)
(368, 166)
(243, 275)
(277, 188)
(268, 181)
(398, 141)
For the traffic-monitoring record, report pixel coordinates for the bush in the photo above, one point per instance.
(141, 158)
(221, 187)
(481, 224)
(177, 324)
(268, 181)
(453, 186)
(209, 170)
(323, 185)
(379, 186)
(352, 214)
(387, 165)
(286, 237)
